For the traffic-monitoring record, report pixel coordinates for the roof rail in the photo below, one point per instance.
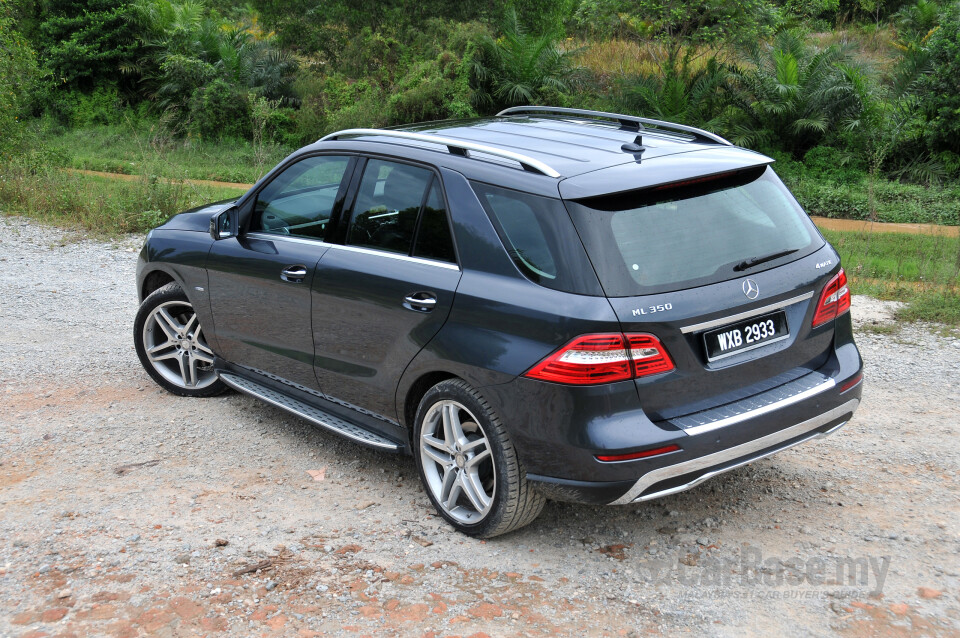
(454, 147)
(629, 122)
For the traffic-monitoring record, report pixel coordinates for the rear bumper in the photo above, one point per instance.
(683, 476)
(559, 443)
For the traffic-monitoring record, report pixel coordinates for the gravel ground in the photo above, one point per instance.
(127, 511)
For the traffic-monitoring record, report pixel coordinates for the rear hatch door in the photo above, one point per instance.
(725, 270)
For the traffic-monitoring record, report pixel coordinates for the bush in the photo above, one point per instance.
(75, 108)
(219, 111)
(894, 201)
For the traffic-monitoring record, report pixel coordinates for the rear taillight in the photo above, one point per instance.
(604, 358)
(648, 354)
(834, 301)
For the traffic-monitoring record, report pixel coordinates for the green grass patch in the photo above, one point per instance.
(936, 306)
(922, 270)
(100, 206)
(149, 150)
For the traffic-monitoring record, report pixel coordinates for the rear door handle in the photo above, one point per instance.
(294, 274)
(420, 301)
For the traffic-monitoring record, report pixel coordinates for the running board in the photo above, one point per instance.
(309, 412)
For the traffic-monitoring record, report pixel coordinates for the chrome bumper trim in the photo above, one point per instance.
(806, 394)
(730, 454)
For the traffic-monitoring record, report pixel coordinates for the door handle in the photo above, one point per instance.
(294, 274)
(420, 301)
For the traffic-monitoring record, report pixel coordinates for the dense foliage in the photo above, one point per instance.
(873, 86)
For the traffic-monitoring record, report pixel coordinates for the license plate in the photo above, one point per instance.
(745, 335)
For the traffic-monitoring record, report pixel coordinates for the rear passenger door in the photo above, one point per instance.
(385, 286)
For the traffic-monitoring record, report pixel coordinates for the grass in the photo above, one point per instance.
(102, 207)
(122, 149)
(617, 58)
(922, 270)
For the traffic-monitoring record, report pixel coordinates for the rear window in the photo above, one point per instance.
(681, 236)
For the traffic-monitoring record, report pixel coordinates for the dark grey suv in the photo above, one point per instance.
(549, 303)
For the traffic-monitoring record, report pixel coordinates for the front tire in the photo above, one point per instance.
(171, 345)
(468, 465)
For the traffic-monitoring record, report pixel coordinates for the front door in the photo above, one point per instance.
(260, 282)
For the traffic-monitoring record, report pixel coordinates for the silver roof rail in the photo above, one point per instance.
(454, 147)
(629, 122)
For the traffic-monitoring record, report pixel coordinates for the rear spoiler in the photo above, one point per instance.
(666, 169)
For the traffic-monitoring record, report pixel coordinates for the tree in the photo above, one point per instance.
(789, 95)
(683, 22)
(18, 71)
(684, 93)
(941, 87)
(521, 68)
(87, 43)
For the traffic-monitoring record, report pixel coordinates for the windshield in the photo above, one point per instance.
(693, 233)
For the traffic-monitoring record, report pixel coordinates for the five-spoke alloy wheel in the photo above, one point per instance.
(468, 464)
(171, 345)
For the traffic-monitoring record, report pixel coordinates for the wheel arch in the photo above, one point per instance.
(154, 280)
(415, 392)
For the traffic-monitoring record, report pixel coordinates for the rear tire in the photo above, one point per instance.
(468, 465)
(171, 345)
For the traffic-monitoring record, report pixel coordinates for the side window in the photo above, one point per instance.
(527, 226)
(388, 203)
(300, 200)
(433, 234)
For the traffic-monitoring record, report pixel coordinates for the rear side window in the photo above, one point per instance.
(540, 239)
(677, 237)
(433, 235)
(388, 203)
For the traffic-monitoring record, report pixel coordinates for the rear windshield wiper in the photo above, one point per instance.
(756, 261)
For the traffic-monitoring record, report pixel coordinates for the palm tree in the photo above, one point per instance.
(681, 92)
(521, 68)
(790, 95)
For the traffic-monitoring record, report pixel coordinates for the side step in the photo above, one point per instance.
(308, 412)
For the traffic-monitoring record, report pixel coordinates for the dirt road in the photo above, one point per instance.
(126, 511)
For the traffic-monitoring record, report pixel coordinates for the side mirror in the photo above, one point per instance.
(225, 224)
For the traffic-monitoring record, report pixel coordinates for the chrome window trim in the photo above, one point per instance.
(713, 323)
(730, 454)
(291, 238)
(358, 249)
(407, 258)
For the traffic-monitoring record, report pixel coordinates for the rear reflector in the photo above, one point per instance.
(851, 383)
(638, 455)
(834, 301)
(604, 358)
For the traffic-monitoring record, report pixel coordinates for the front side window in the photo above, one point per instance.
(300, 200)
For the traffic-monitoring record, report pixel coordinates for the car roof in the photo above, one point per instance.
(557, 144)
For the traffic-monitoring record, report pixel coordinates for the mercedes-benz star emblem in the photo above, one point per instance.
(750, 288)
